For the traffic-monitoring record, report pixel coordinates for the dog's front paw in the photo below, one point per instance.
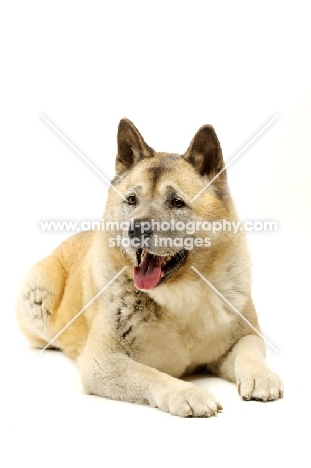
(260, 384)
(189, 401)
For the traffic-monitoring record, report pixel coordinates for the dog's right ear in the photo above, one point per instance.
(132, 148)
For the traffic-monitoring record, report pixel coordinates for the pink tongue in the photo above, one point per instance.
(148, 273)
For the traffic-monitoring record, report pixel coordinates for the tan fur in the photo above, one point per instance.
(135, 345)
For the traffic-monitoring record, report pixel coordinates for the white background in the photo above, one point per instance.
(170, 67)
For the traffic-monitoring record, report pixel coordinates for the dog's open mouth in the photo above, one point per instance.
(151, 270)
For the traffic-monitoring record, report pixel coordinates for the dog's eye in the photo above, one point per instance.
(131, 200)
(178, 203)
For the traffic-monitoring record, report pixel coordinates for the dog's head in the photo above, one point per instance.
(161, 215)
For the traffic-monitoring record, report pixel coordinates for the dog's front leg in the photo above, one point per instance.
(108, 371)
(245, 364)
(116, 376)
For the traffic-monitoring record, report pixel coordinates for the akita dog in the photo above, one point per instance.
(156, 297)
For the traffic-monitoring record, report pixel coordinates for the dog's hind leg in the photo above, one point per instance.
(38, 300)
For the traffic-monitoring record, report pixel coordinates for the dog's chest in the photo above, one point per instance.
(184, 332)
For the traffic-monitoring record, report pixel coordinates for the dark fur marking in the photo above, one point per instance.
(116, 180)
(138, 307)
(36, 289)
(156, 173)
(170, 159)
(127, 332)
(220, 191)
(119, 311)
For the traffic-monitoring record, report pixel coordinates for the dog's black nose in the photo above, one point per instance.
(140, 227)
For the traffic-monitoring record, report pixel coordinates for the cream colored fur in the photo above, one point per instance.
(135, 345)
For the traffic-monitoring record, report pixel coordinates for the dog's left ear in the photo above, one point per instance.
(132, 148)
(204, 152)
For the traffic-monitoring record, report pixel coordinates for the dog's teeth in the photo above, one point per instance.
(164, 263)
(168, 259)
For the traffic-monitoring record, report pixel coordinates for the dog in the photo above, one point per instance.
(145, 303)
